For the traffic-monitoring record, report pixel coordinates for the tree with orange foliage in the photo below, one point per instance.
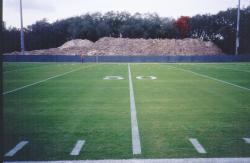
(182, 25)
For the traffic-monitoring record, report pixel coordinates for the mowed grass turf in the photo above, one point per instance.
(178, 105)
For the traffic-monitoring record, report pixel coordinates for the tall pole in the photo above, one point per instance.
(237, 45)
(22, 34)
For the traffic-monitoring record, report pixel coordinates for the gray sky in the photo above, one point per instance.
(53, 10)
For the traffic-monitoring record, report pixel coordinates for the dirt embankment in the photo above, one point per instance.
(139, 47)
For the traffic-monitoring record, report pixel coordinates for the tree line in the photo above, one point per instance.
(219, 28)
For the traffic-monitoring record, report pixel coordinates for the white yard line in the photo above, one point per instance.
(18, 147)
(199, 148)
(44, 80)
(77, 149)
(209, 77)
(181, 160)
(247, 140)
(136, 143)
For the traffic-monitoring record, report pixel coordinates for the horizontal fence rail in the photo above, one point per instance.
(138, 59)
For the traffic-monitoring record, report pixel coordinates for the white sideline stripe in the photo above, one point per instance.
(136, 143)
(197, 145)
(181, 160)
(41, 81)
(209, 77)
(18, 147)
(76, 150)
(247, 140)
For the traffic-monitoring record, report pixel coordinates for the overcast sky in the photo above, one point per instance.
(53, 10)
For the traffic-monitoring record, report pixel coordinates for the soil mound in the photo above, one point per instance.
(109, 46)
(78, 43)
(124, 46)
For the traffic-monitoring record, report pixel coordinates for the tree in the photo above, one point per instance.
(183, 25)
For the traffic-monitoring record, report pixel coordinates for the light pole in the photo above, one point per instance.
(21, 32)
(237, 44)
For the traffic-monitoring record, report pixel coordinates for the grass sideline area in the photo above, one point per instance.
(53, 105)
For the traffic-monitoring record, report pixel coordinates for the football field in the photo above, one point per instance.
(64, 111)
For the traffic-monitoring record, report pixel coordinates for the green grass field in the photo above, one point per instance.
(210, 102)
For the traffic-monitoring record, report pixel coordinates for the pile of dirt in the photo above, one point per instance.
(72, 47)
(124, 46)
(78, 43)
(138, 47)
(57, 51)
